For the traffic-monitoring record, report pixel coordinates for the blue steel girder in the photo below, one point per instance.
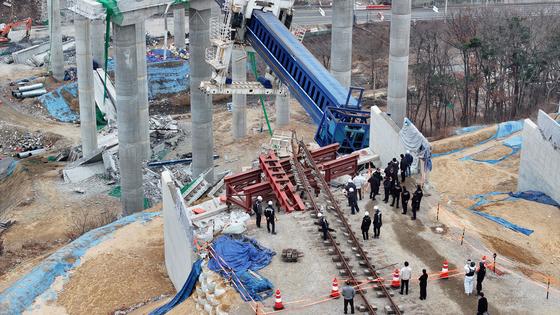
(309, 82)
(348, 127)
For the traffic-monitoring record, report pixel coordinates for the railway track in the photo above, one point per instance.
(301, 156)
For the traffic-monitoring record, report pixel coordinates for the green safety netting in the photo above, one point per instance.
(253, 61)
(116, 192)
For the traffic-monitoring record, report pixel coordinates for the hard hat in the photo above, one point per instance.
(367, 213)
(270, 203)
(376, 208)
(408, 151)
(319, 214)
(259, 198)
(351, 189)
(350, 180)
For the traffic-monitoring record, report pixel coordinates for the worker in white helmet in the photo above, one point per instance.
(269, 213)
(366, 222)
(257, 208)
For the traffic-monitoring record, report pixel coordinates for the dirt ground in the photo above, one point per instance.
(533, 255)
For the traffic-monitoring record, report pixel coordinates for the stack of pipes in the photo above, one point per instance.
(32, 90)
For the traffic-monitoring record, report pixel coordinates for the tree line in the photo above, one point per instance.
(482, 66)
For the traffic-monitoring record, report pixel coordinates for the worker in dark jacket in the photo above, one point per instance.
(324, 225)
(405, 197)
(374, 183)
(480, 274)
(396, 193)
(257, 208)
(366, 222)
(482, 305)
(377, 222)
(389, 170)
(353, 201)
(403, 167)
(409, 159)
(270, 217)
(387, 184)
(416, 199)
(423, 284)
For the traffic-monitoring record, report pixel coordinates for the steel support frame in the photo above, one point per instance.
(280, 182)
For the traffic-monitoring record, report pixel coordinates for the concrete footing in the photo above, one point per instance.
(398, 60)
(201, 103)
(128, 118)
(88, 127)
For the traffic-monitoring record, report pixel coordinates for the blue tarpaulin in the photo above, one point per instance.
(58, 106)
(185, 292)
(509, 127)
(535, 196)
(483, 201)
(20, 295)
(469, 129)
(237, 256)
(514, 143)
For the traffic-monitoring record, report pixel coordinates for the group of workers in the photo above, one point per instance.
(405, 274)
(269, 214)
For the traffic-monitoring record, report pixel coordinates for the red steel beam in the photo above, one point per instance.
(280, 182)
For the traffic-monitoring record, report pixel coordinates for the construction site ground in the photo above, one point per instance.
(127, 272)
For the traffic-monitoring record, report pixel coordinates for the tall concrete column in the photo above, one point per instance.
(201, 103)
(56, 53)
(282, 110)
(398, 60)
(143, 104)
(88, 127)
(98, 40)
(239, 101)
(128, 118)
(179, 27)
(341, 38)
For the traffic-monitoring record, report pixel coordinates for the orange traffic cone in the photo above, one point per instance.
(444, 274)
(334, 291)
(278, 301)
(396, 283)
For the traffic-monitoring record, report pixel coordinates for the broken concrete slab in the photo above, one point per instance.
(105, 101)
(83, 172)
(22, 56)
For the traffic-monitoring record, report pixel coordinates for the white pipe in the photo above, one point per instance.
(25, 154)
(30, 87)
(32, 93)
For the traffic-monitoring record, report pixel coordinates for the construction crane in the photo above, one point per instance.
(5, 29)
(264, 27)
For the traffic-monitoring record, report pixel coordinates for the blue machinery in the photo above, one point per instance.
(331, 106)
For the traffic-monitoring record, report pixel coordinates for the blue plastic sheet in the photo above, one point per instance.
(168, 77)
(469, 129)
(57, 105)
(483, 201)
(505, 223)
(535, 196)
(509, 127)
(185, 292)
(237, 256)
(514, 143)
(20, 295)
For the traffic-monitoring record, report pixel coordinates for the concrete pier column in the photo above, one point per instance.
(179, 27)
(282, 110)
(88, 127)
(201, 103)
(143, 104)
(341, 38)
(128, 118)
(56, 53)
(98, 40)
(398, 60)
(239, 101)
